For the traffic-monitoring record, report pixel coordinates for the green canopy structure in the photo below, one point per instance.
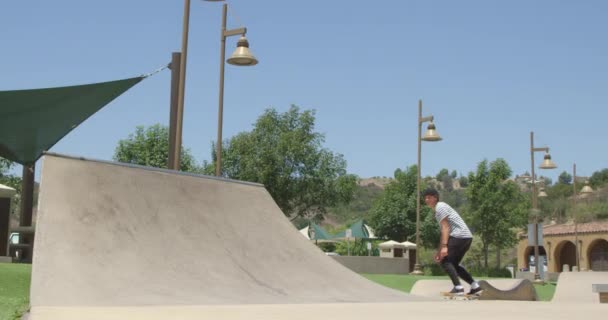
(319, 233)
(359, 230)
(315, 232)
(32, 121)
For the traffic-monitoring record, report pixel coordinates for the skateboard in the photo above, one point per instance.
(452, 296)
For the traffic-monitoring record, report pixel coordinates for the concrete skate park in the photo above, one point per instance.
(187, 248)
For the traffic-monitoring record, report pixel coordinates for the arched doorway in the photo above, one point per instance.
(598, 255)
(565, 253)
(529, 256)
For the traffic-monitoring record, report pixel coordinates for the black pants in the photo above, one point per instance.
(451, 263)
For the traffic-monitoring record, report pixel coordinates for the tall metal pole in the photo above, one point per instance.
(27, 205)
(174, 149)
(574, 194)
(417, 266)
(534, 208)
(182, 84)
(220, 112)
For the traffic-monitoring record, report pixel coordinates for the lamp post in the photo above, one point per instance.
(430, 135)
(546, 164)
(586, 190)
(241, 57)
(177, 103)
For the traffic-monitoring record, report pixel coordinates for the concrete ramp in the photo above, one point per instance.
(576, 287)
(522, 291)
(110, 235)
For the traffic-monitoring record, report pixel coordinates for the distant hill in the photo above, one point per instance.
(368, 190)
(375, 181)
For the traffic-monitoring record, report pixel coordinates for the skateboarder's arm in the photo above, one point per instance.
(443, 239)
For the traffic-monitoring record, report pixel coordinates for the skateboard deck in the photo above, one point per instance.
(452, 296)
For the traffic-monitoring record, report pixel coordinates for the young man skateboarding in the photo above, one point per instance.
(455, 241)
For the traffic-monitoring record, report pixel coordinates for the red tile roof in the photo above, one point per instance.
(589, 227)
(568, 228)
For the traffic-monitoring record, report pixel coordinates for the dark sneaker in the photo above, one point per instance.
(457, 292)
(475, 291)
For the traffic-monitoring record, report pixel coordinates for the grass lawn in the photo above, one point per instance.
(14, 289)
(545, 292)
(406, 282)
(397, 281)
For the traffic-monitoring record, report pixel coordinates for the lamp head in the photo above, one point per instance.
(431, 133)
(242, 56)
(586, 189)
(547, 163)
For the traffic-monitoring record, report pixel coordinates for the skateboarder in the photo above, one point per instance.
(455, 241)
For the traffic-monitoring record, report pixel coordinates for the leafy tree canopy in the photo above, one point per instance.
(599, 178)
(150, 147)
(393, 215)
(564, 178)
(10, 181)
(284, 153)
(5, 165)
(496, 205)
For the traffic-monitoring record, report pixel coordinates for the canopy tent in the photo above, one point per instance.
(359, 230)
(6, 191)
(315, 232)
(304, 232)
(408, 245)
(391, 244)
(33, 120)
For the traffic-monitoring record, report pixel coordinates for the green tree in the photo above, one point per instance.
(546, 181)
(5, 165)
(393, 215)
(284, 153)
(11, 181)
(445, 180)
(455, 198)
(150, 147)
(356, 247)
(464, 181)
(599, 178)
(564, 178)
(442, 173)
(496, 206)
(454, 174)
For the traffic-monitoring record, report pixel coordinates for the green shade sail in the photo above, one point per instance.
(319, 233)
(32, 121)
(358, 231)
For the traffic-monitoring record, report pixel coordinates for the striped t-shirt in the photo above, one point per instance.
(458, 229)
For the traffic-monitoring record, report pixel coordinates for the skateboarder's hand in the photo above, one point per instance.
(442, 253)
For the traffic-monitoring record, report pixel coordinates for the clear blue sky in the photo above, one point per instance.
(489, 71)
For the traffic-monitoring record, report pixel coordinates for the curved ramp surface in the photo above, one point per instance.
(112, 235)
(522, 291)
(577, 287)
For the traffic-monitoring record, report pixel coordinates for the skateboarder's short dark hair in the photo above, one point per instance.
(431, 192)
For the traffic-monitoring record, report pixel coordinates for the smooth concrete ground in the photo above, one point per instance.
(117, 242)
(474, 310)
(576, 287)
